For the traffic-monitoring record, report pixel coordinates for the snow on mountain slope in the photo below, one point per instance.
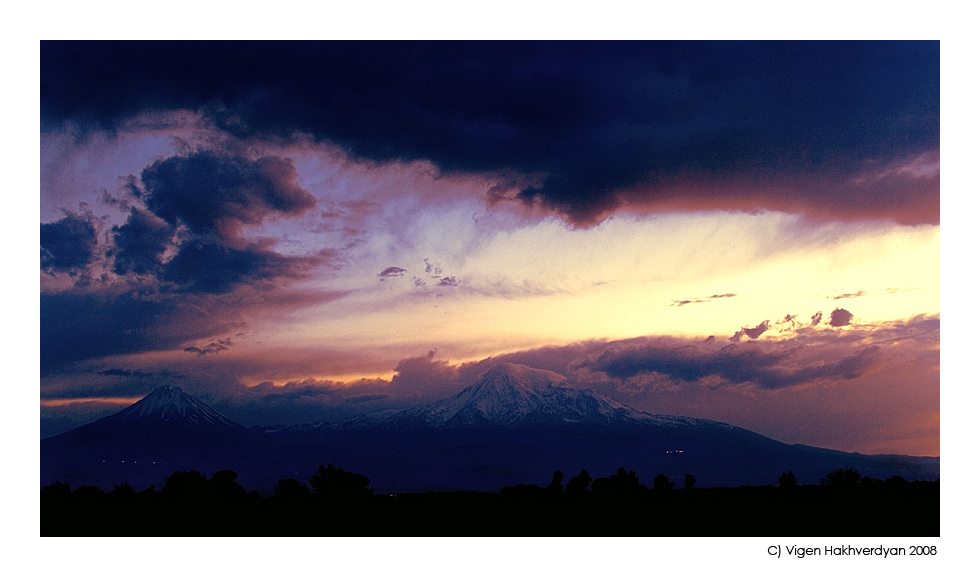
(513, 425)
(171, 404)
(510, 394)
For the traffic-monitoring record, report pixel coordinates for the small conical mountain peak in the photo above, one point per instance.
(171, 404)
(166, 393)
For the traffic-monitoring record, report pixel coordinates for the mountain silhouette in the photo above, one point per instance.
(509, 394)
(166, 430)
(514, 425)
(171, 405)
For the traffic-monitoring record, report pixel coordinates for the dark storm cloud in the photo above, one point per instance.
(806, 356)
(79, 325)
(840, 318)
(212, 195)
(184, 270)
(76, 326)
(769, 366)
(210, 267)
(214, 192)
(821, 127)
(68, 244)
(141, 242)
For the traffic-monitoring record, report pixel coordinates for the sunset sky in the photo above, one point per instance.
(293, 232)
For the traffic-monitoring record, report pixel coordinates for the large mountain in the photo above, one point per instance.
(165, 431)
(515, 396)
(514, 425)
(510, 394)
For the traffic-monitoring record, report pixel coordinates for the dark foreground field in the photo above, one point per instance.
(192, 505)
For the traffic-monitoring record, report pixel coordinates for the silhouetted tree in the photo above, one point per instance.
(291, 490)
(622, 483)
(629, 482)
(521, 490)
(555, 485)
(787, 480)
(331, 481)
(662, 483)
(88, 492)
(579, 484)
(185, 485)
(223, 485)
(56, 492)
(841, 478)
(56, 511)
(90, 498)
(689, 481)
(124, 491)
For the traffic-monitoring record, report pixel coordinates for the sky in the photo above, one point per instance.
(294, 232)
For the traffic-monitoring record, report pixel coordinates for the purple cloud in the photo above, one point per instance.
(840, 318)
(752, 333)
(68, 244)
(217, 192)
(391, 272)
(773, 366)
(210, 348)
(581, 129)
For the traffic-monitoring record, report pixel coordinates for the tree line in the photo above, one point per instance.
(333, 501)
(336, 483)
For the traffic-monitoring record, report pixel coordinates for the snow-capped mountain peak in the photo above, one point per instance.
(521, 375)
(171, 404)
(507, 390)
(508, 394)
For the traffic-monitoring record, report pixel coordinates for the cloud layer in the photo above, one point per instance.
(179, 267)
(831, 129)
(282, 228)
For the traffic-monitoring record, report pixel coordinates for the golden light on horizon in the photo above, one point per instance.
(77, 400)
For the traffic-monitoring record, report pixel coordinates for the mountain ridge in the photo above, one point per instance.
(513, 425)
(508, 394)
(170, 403)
